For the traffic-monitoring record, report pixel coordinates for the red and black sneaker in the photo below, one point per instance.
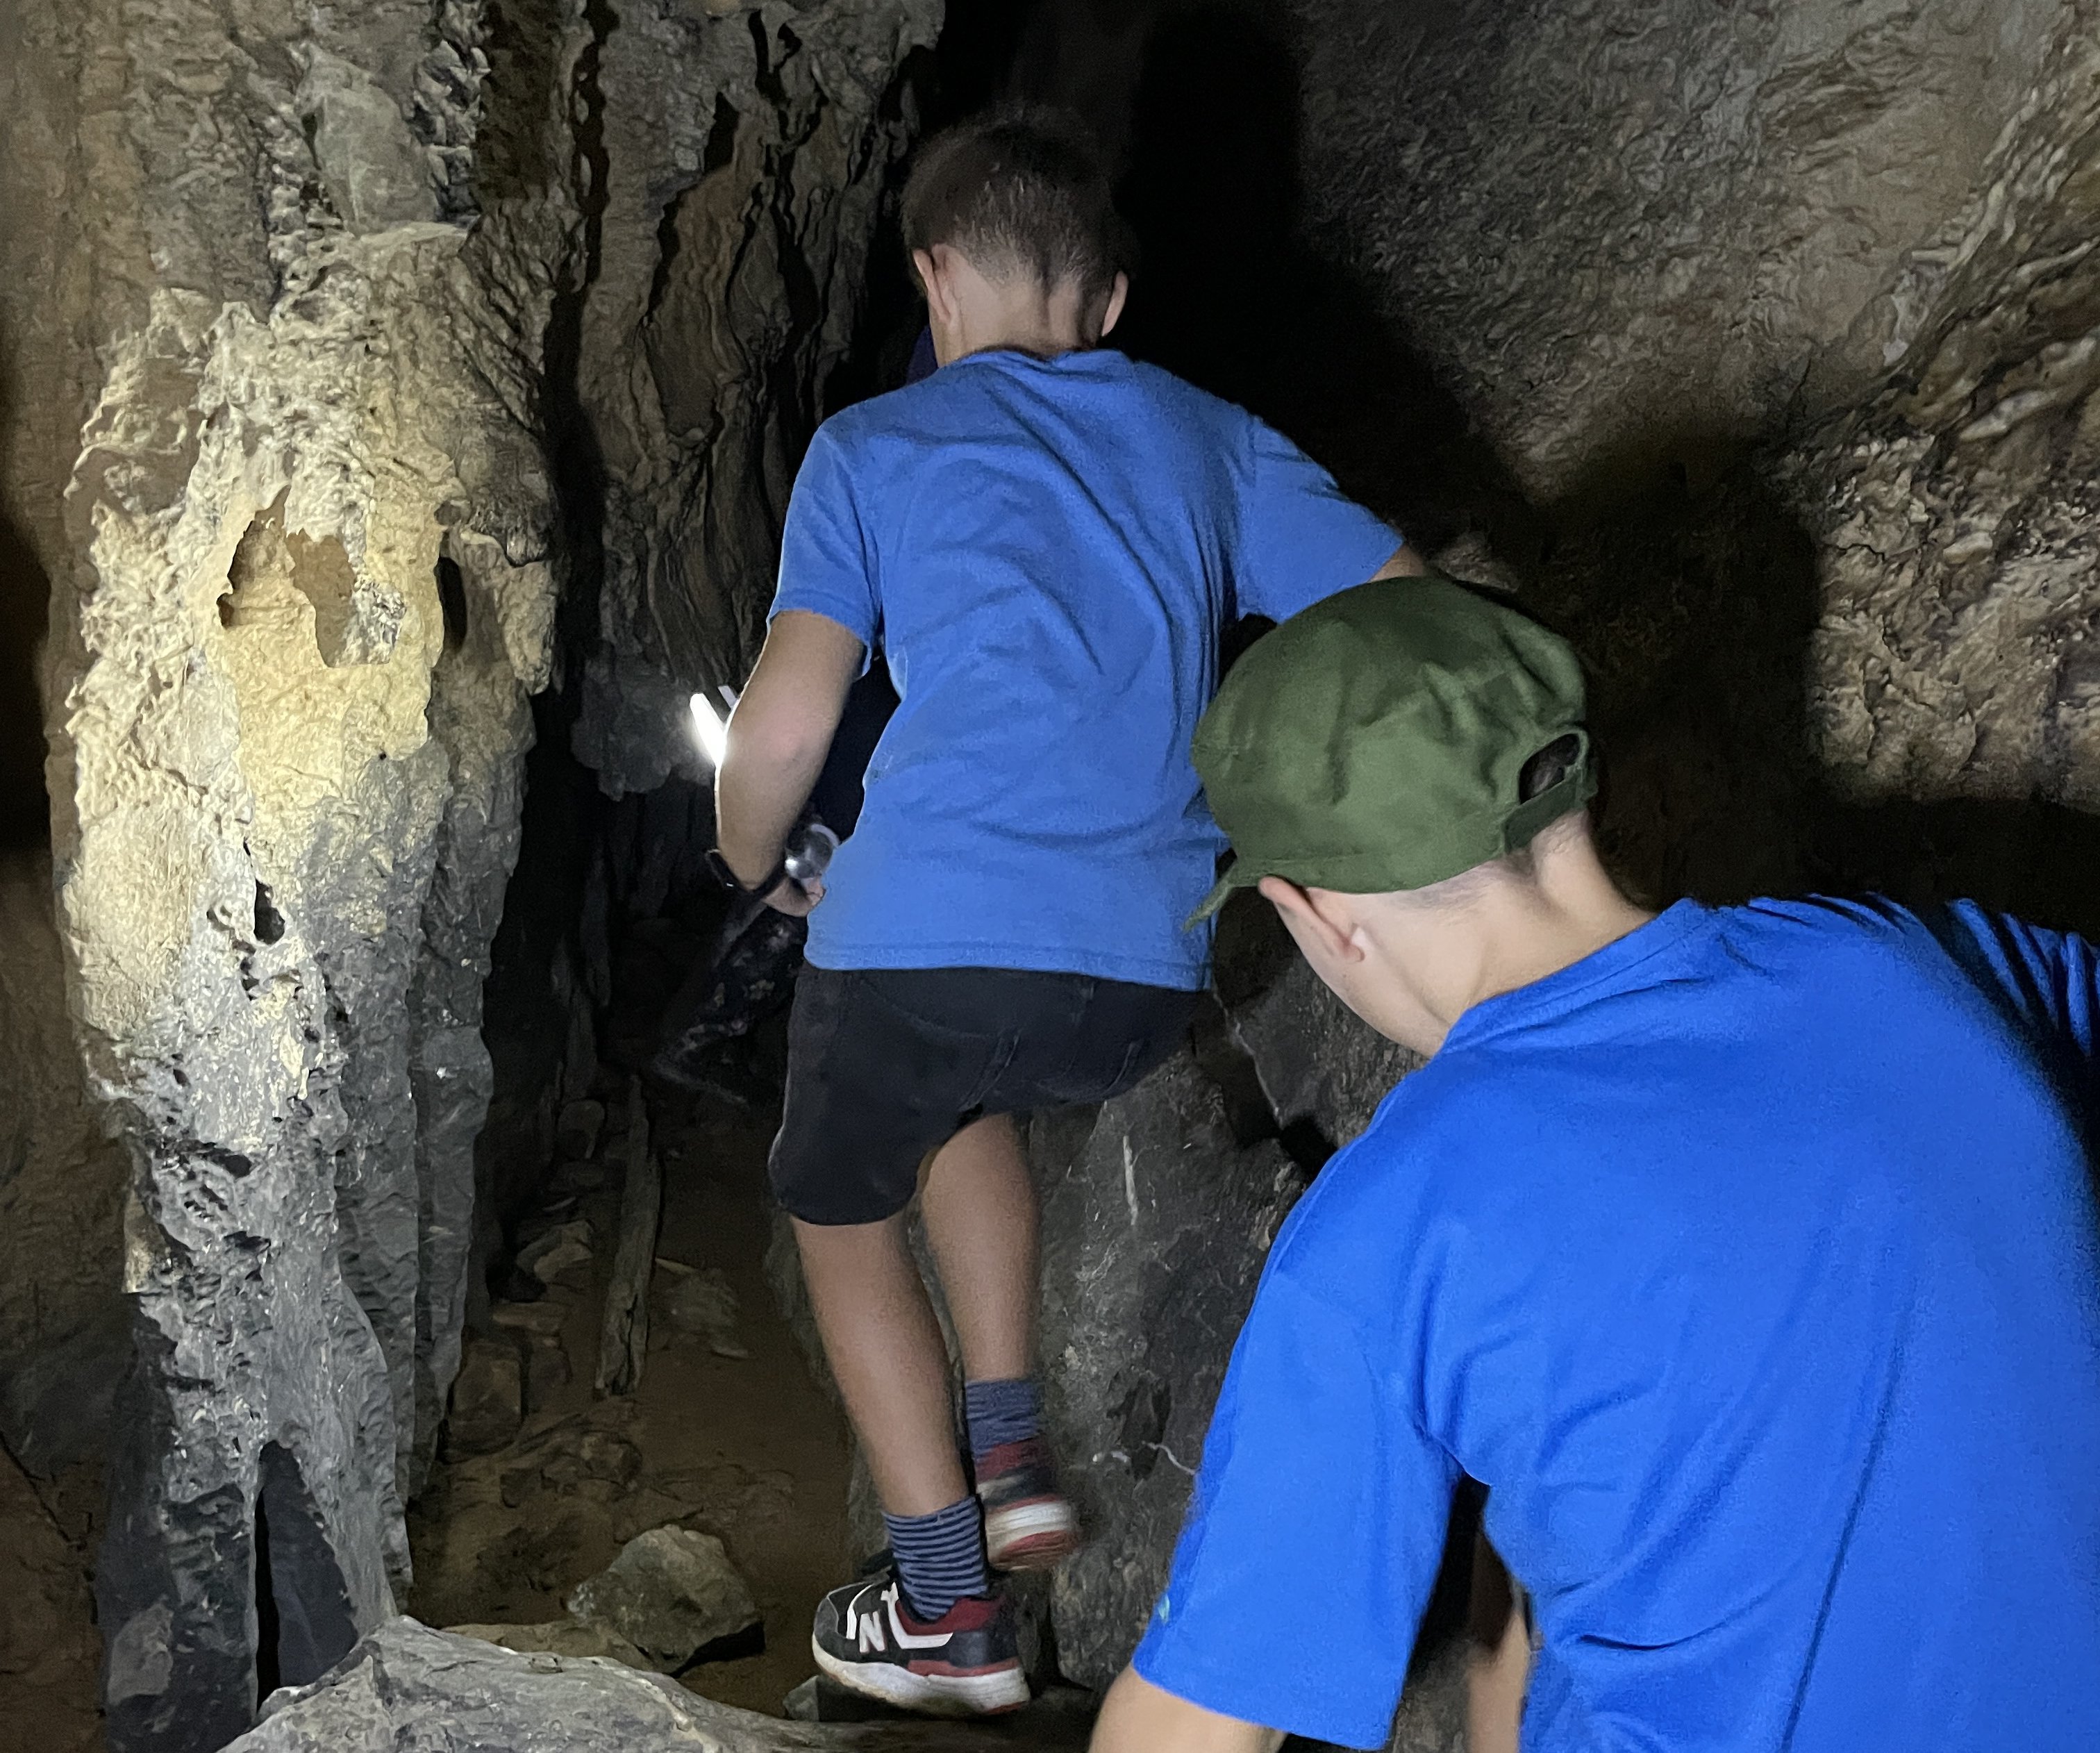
(965, 1663)
(1029, 1523)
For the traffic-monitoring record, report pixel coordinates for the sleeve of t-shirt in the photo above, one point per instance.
(1313, 1536)
(2051, 979)
(827, 562)
(1301, 538)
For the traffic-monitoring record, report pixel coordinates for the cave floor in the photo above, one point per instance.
(746, 1448)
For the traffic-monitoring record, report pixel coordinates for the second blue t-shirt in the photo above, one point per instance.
(1047, 551)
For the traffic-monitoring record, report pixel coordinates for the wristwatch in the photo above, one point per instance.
(758, 891)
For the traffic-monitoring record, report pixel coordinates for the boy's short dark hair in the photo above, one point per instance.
(1018, 190)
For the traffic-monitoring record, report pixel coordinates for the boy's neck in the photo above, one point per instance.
(1020, 316)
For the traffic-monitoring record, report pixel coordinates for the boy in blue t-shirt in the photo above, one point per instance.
(1747, 1255)
(1046, 540)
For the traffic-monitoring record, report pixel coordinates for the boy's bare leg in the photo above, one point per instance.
(888, 1356)
(980, 1210)
(880, 1336)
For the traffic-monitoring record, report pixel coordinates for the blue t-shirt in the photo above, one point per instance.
(1750, 1263)
(1046, 551)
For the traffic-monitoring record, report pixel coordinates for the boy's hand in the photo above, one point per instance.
(795, 899)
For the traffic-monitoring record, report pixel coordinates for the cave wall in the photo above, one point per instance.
(65, 1332)
(1775, 325)
(743, 191)
(319, 340)
(301, 590)
(1619, 231)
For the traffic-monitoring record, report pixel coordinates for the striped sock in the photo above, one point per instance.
(940, 1557)
(1000, 1412)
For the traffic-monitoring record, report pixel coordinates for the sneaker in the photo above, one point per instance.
(1028, 1523)
(965, 1663)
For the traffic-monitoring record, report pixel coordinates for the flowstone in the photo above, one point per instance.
(292, 346)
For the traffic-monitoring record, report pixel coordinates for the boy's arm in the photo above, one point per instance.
(779, 736)
(1313, 1532)
(1300, 538)
(1138, 1717)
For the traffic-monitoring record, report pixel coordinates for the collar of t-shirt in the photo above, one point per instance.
(1669, 931)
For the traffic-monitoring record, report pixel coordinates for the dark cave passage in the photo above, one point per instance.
(385, 1102)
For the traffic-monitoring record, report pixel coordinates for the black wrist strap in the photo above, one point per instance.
(764, 886)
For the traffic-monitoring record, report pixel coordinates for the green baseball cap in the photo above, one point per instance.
(1376, 741)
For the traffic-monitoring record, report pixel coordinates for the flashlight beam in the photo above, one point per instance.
(710, 730)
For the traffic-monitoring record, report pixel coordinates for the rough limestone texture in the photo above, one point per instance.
(1317, 1066)
(1956, 653)
(558, 1637)
(1783, 320)
(745, 149)
(1155, 1224)
(406, 1688)
(301, 590)
(670, 1593)
(299, 302)
(1617, 230)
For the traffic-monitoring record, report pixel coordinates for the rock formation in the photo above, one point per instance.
(410, 1688)
(1778, 322)
(741, 192)
(304, 305)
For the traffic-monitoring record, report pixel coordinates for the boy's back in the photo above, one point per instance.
(1043, 539)
(1046, 551)
(1750, 1261)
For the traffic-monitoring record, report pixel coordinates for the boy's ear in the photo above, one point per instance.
(933, 282)
(1118, 296)
(1306, 920)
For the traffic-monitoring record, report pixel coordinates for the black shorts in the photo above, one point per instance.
(887, 1064)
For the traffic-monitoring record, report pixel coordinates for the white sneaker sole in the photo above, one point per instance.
(930, 1694)
(1031, 1536)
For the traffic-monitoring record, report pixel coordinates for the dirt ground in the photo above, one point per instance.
(746, 1448)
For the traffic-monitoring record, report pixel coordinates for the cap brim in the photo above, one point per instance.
(1240, 876)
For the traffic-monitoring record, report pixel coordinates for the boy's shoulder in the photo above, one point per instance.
(933, 406)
